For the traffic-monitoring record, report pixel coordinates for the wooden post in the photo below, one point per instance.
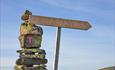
(56, 59)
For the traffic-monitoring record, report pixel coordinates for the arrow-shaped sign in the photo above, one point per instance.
(59, 22)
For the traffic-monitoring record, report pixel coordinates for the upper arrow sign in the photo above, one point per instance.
(59, 22)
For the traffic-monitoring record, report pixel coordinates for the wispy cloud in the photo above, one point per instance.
(87, 7)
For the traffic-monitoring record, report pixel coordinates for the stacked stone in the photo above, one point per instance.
(31, 57)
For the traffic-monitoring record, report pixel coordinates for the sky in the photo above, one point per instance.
(83, 50)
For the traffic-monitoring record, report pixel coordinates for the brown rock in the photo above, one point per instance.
(108, 68)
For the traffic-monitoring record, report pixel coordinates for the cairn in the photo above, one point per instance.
(31, 57)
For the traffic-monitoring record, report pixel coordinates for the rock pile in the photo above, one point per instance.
(31, 57)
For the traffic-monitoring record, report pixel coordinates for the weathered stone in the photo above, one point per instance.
(108, 68)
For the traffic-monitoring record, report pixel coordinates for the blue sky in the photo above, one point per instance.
(82, 50)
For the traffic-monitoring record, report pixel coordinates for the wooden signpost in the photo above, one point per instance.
(59, 23)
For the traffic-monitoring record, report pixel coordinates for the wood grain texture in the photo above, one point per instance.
(59, 22)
